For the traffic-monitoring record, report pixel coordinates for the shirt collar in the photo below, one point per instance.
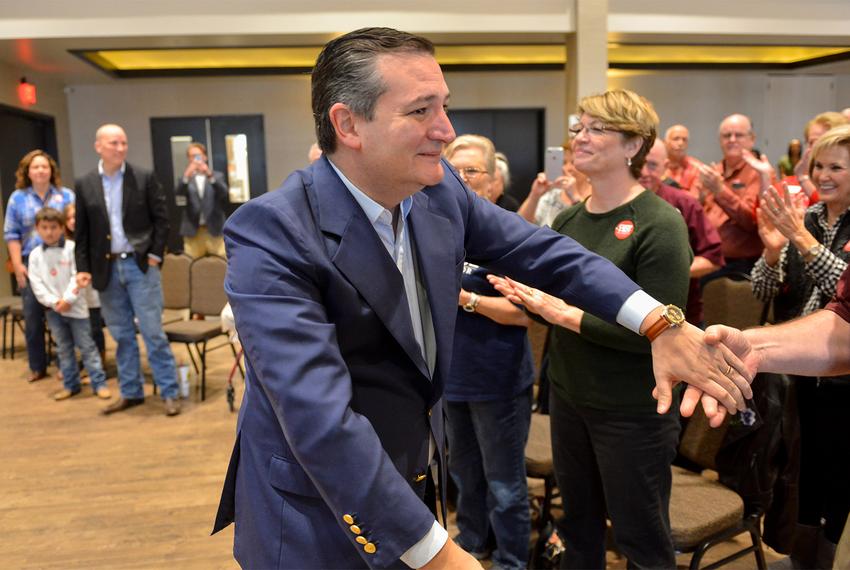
(102, 173)
(371, 208)
(60, 244)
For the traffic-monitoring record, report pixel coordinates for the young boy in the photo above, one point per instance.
(51, 271)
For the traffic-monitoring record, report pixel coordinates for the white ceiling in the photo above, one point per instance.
(37, 34)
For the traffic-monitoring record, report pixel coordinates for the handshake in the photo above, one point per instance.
(718, 364)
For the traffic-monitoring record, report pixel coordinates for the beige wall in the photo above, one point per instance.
(698, 99)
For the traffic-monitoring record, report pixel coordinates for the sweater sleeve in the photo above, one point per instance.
(662, 261)
(36, 271)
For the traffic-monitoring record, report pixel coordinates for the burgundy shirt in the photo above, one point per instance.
(840, 304)
(703, 237)
(733, 211)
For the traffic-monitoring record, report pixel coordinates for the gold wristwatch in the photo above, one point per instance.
(472, 304)
(671, 317)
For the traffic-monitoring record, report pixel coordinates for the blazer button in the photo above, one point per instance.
(429, 412)
(419, 477)
(369, 548)
(348, 519)
(361, 540)
(107, 256)
(108, 237)
(355, 529)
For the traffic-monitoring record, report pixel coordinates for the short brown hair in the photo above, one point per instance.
(48, 214)
(22, 175)
(345, 72)
(628, 113)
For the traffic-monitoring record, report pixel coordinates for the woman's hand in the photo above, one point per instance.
(540, 186)
(553, 309)
(771, 237)
(783, 213)
(21, 275)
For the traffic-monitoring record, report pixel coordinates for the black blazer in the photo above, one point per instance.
(145, 220)
(213, 205)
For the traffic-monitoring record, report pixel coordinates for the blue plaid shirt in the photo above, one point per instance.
(21, 210)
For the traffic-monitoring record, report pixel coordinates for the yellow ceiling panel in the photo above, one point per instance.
(170, 61)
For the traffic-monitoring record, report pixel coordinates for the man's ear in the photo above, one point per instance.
(345, 123)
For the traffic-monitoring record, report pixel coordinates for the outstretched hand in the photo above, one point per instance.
(683, 355)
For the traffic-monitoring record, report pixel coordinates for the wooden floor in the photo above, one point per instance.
(132, 490)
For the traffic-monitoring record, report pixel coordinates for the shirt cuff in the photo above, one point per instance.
(156, 258)
(427, 548)
(635, 310)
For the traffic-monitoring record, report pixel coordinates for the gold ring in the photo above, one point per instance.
(728, 370)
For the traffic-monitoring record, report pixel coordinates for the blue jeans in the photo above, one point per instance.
(69, 333)
(487, 462)
(132, 293)
(34, 330)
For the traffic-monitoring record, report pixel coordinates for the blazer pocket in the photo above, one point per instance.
(286, 475)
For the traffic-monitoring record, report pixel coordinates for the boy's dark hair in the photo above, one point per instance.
(50, 215)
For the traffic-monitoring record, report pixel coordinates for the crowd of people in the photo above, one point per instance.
(351, 285)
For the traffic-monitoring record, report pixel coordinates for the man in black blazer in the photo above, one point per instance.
(204, 194)
(122, 228)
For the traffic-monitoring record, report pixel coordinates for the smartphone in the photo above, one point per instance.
(554, 163)
(793, 188)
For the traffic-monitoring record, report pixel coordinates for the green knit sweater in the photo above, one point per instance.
(608, 367)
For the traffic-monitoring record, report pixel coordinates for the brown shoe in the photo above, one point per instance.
(172, 407)
(64, 394)
(103, 393)
(121, 404)
(34, 376)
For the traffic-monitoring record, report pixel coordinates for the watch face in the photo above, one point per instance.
(674, 315)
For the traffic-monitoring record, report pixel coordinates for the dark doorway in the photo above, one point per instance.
(236, 146)
(519, 133)
(22, 131)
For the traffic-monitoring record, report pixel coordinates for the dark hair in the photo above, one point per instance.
(22, 175)
(49, 214)
(196, 145)
(345, 72)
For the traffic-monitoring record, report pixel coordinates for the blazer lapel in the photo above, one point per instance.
(97, 187)
(127, 190)
(432, 238)
(362, 258)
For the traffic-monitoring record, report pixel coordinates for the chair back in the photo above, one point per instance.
(700, 442)
(207, 285)
(175, 281)
(731, 302)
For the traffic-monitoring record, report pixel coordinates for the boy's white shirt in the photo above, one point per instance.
(52, 275)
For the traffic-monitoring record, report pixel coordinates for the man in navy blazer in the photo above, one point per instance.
(344, 287)
(204, 193)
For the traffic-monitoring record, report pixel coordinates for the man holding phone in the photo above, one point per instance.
(204, 195)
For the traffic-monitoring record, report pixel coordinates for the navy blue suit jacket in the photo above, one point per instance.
(339, 402)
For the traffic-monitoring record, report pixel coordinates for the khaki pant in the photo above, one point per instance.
(842, 555)
(202, 243)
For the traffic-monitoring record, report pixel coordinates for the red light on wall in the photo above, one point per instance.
(26, 92)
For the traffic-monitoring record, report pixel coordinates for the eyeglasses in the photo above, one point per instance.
(470, 173)
(593, 130)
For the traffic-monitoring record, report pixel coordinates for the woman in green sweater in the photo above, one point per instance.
(611, 450)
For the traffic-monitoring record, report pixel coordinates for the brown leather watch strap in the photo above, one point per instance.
(656, 329)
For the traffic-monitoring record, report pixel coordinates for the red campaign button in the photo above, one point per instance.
(53, 272)
(624, 229)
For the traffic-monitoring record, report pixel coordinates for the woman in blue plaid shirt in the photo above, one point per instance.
(37, 185)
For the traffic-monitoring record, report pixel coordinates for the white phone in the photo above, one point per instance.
(554, 163)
